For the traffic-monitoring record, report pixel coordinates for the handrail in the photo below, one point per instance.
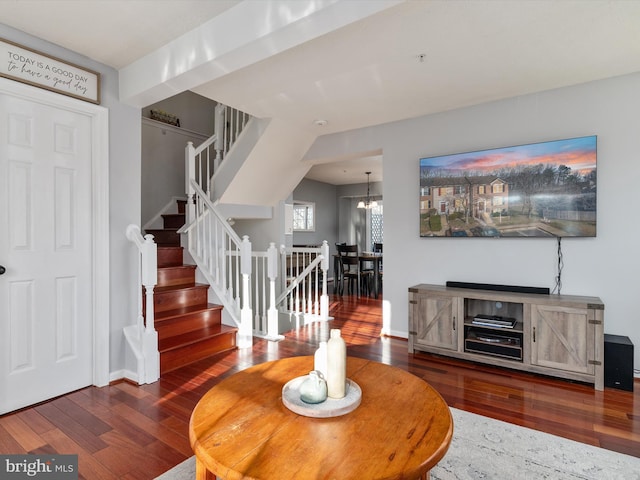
(210, 210)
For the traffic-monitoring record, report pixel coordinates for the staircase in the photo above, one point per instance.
(180, 326)
(189, 327)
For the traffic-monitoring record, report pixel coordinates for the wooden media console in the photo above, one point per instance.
(556, 335)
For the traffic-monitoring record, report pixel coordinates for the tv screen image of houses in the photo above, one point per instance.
(543, 189)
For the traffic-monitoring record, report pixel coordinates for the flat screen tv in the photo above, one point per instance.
(543, 189)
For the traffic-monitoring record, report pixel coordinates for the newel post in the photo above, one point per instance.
(272, 274)
(149, 252)
(324, 265)
(190, 174)
(149, 274)
(245, 332)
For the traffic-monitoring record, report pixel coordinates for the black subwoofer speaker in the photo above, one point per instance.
(618, 362)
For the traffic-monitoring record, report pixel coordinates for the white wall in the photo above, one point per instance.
(606, 266)
(323, 195)
(163, 165)
(124, 189)
(195, 112)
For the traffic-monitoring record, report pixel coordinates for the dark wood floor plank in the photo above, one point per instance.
(178, 441)
(8, 444)
(123, 455)
(82, 416)
(89, 467)
(36, 422)
(22, 433)
(70, 427)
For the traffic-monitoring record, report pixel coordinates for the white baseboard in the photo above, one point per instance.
(123, 374)
(395, 333)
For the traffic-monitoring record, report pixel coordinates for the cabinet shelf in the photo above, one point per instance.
(518, 327)
(556, 335)
(485, 341)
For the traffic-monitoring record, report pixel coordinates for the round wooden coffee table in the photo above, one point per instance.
(240, 429)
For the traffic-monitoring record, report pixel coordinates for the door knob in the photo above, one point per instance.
(2, 269)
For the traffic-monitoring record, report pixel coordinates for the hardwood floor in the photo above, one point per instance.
(129, 432)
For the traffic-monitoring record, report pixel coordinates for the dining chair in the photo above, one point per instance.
(377, 248)
(337, 269)
(350, 271)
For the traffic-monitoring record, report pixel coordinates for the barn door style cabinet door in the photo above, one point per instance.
(435, 319)
(565, 338)
(556, 335)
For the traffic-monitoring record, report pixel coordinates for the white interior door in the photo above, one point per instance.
(46, 317)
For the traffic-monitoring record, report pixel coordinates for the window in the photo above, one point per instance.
(376, 224)
(304, 216)
(498, 188)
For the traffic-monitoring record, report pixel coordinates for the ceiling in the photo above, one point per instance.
(409, 59)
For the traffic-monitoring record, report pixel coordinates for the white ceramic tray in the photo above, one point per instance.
(331, 407)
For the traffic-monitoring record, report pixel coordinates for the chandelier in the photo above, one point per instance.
(367, 203)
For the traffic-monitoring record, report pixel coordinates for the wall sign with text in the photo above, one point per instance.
(28, 66)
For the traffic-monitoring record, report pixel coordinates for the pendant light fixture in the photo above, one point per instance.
(367, 203)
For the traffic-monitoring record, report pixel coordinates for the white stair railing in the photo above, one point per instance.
(230, 128)
(245, 281)
(223, 258)
(142, 337)
(304, 283)
(204, 160)
(302, 290)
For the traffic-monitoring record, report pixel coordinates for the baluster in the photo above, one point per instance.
(190, 161)
(324, 299)
(220, 132)
(272, 273)
(263, 308)
(149, 253)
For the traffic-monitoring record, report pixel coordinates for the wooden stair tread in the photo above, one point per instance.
(193, 337)
(182, 311)
(177, 267)
(183, 286)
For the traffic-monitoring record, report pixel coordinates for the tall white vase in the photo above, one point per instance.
(336, 365)
(320, 359)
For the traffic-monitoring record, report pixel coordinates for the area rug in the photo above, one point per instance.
(484, 448)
